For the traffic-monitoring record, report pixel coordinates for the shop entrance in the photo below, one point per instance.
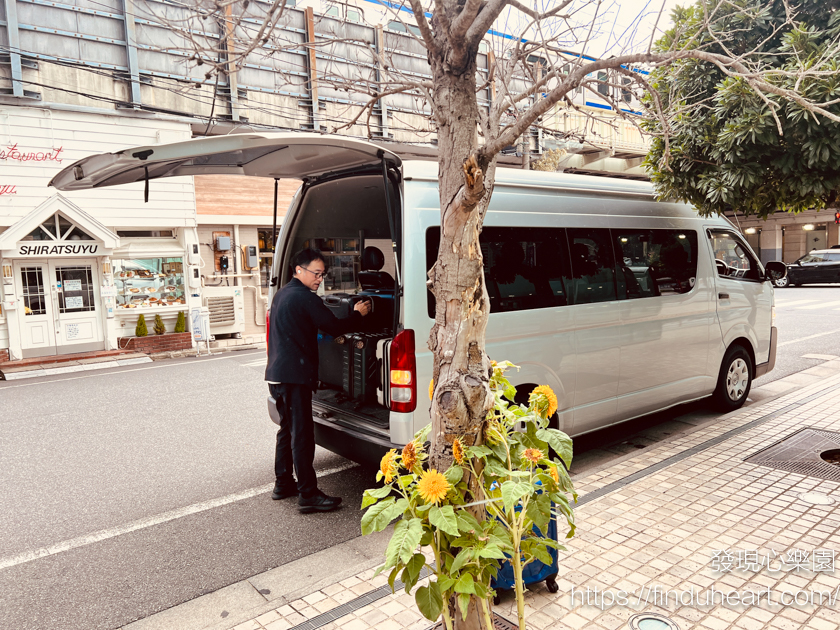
(60, 307)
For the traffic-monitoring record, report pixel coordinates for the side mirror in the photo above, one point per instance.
(775, 270)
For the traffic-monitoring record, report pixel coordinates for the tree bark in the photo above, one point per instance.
(462, 397)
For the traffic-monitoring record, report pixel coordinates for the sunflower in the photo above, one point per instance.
(388, 465)
(544, 400)
(533, 455)
(433, 486)
(552, 470)
(431, 389)
(409, 455)
(458, 451)
(494, 434)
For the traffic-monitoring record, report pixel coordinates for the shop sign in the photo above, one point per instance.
(58, 250)
(72, 330)
(72, 285)
(108, 291)
(74, 302)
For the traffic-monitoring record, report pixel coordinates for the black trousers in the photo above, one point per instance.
(296, 438)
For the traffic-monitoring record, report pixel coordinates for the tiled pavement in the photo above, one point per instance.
(667, 531)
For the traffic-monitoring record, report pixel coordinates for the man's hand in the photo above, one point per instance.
(363, 307)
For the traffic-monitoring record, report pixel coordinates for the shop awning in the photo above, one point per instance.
(275, 155)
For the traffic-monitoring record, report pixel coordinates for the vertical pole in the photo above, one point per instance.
(312, 68)
(14, 47)
(274, 225)
(228, 34)
(379, 42)
(131, 51)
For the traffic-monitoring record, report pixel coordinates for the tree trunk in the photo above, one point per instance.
(461, 397)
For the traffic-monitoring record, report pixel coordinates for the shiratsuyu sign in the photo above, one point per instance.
(59, 249)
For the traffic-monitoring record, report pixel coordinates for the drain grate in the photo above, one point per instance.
(499, 623)
(800, 453)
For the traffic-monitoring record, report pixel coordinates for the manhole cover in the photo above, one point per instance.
(805, 452)
(499, 623)
(816, 498)
(651, 621)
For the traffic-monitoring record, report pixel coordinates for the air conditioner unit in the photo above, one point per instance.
(227, 309)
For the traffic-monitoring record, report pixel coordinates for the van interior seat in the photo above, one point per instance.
(371, 277)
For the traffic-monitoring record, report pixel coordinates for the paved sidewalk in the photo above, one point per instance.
(686, 529)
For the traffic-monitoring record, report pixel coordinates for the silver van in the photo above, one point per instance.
(623, 305)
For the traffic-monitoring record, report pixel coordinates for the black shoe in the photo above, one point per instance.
(283, 492)
(318, 503)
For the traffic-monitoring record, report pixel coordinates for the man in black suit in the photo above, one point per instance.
(297, 314)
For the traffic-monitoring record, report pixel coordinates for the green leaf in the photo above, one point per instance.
(445, 583)
(492, 552)
(539, 511)
(371, 496)
(444, 519)
(393, 578)
(467, 522)
(512, 492)
(412, 571)
(464, 604)
(478, 451)
(461, 559)
(541, 554)
(377, 517)
(465, 584)
(406, 480)
(454, 474)
(560, 442)
(404, 541)
(429, 601)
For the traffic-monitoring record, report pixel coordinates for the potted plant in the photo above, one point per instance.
(160, 327)
(140, 330)
(520, 489)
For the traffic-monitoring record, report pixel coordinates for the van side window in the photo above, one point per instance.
(593, 266)
(655, 262)
(524, 268)
(731, 256)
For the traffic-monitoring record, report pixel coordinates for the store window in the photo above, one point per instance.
(655, 262)
(265, 242)
(343, 262)
(149, 282)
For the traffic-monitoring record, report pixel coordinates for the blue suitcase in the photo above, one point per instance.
(533, 572)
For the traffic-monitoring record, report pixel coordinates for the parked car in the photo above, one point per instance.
(820, 266)
(623, 305)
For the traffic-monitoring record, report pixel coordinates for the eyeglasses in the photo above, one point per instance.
(321, 275)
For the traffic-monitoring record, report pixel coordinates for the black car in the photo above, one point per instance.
(817, 267)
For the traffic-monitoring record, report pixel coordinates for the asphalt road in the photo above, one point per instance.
(153, 478)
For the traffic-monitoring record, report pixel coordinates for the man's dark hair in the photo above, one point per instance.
(306, 256)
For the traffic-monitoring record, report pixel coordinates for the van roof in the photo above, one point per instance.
(428, 171)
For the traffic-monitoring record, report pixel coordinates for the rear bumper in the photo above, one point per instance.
(355, 445)
(764, 368)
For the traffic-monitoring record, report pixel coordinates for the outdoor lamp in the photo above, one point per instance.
(7, 273)
(106, 267)
(749, 231)
(808, 227)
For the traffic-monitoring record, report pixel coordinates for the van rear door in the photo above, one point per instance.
(304, 156)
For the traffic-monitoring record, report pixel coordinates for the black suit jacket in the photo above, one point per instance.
(296, 316)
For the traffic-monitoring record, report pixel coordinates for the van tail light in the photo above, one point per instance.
(267, 327)
(403, 376)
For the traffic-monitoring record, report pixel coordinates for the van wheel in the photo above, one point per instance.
(734, 380)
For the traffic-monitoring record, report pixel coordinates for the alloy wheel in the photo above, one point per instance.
(781, 282)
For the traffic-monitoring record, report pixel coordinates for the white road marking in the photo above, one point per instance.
(822, 334)
(260, 363)
(104, 373)
(143, 523)
(822, 357)
(818, 306)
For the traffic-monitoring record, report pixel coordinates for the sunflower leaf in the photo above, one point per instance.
(429, 601)
(444, 519)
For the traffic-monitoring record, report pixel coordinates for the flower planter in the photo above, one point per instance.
(157, 343)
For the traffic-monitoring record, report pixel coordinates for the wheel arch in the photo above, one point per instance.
(746, 344)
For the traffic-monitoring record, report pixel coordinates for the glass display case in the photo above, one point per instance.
(149, 282)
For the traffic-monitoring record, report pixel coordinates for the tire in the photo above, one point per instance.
(735, 379)
(781, 282)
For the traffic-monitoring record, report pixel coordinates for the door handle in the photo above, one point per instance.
(723, 296)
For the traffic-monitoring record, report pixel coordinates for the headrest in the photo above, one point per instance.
(372, 259)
